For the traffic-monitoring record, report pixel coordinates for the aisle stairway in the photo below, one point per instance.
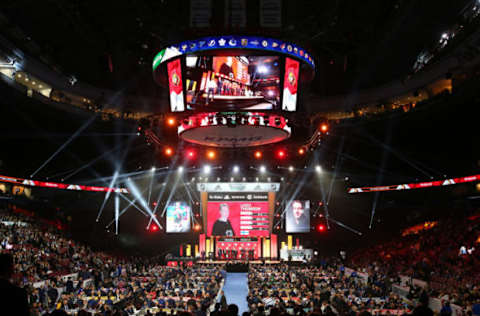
(236, 290)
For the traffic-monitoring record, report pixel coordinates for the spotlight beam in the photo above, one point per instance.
(134, 190)
(346, 227)
(90, 163)
(385, 153)
(107, 195)
(78, 132)
(117, 206)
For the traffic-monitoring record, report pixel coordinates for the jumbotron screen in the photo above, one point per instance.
(178, 217)
(232, 83)
(238, 214)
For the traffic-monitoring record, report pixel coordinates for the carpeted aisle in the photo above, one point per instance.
(236, 290)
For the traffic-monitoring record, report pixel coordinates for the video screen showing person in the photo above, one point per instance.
(298, 217)
(233, 82)
(223, 226)
(238, 218)
(178, 217)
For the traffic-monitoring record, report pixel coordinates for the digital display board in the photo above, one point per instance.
(175, 85)
(232, 82)
(178, 217)
(298, 217)
(290, 85)
(238, 214)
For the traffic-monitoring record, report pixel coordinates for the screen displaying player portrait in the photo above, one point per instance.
(290, 85)
(298, 217)
(175, 85)
(233, 82)
(238, 214)
(178, 217)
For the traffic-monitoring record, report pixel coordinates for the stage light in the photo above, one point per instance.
(190, 154)
(232, 179)
(258, 154)
(168, 151)
(321, 228)
(301, 151)
(207, 169)
(291, 169)
(256, 179)
(318, 168)
(324, 127)
(171, 121)
(236, 169)
(211, 154)
(197, 227)
(154, 228)
(281, 154)
(262, 69)
(263, 169)
(180, 169)
(153, 169)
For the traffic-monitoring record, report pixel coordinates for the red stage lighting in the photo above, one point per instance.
(197, 227)
(171, 121)
(211, 154)
(153, 228)
(281, 154)
(324, 127)
(258, 154)
(168, 151)
(301, 151)
(321, 228)
(190, 154)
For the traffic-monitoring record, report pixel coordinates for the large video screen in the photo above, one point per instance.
(290, 85)
(238, 214)
(175, 86)
(178, 217)
(232, 82)
(298, 217)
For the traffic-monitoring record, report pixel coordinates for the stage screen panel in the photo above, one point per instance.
(298, 217)
(175, 85)
(238, 214)
(233, 83)
(178, 217)
(290, 85)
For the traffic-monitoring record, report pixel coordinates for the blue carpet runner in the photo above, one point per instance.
(236, 290)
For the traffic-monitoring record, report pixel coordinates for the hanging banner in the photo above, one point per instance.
(64, 186)
(417, 185)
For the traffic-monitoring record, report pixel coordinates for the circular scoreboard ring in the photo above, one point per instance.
(234, 129)
(232, 45)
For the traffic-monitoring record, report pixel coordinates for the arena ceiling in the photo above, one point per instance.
(357, 44)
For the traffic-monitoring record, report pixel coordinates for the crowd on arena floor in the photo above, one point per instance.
(98, 282)
(303, 289)
(64, 275)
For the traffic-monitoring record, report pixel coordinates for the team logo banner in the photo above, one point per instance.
(290, 85)
(176, 86)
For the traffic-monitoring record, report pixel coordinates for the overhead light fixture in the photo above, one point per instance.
(318, 168)
(180, 169)
(290, 168)
(207, 169)
(263, 169)
(236, 169)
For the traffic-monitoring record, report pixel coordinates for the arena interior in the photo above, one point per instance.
(234, 157)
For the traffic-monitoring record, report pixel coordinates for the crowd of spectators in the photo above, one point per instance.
(444, 256)
(61, 274)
